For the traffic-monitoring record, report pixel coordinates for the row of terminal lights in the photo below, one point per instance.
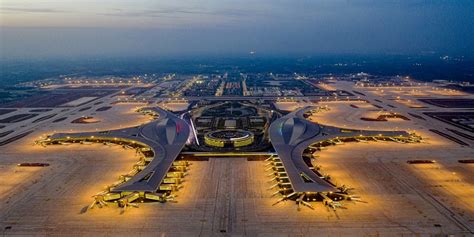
(171, 183)
(279, 175)
(341, 140)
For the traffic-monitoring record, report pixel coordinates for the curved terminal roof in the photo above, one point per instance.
(291, 134)
(166, 136)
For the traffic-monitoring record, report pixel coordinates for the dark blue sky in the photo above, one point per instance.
(76, 28)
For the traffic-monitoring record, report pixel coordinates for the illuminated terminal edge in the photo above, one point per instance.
(296, 140)
(157, 174)
(233, 138)
(171, 182)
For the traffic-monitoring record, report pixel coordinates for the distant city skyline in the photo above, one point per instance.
(35, 29)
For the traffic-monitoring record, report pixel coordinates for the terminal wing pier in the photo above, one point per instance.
(157, 174)
(296, 139)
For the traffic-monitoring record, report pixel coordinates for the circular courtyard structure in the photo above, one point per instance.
(229, 138)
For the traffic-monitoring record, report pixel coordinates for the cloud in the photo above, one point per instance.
(179, 12)
(30, 10)
(409, 4)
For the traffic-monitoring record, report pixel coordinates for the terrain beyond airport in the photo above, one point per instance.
(237, 154)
